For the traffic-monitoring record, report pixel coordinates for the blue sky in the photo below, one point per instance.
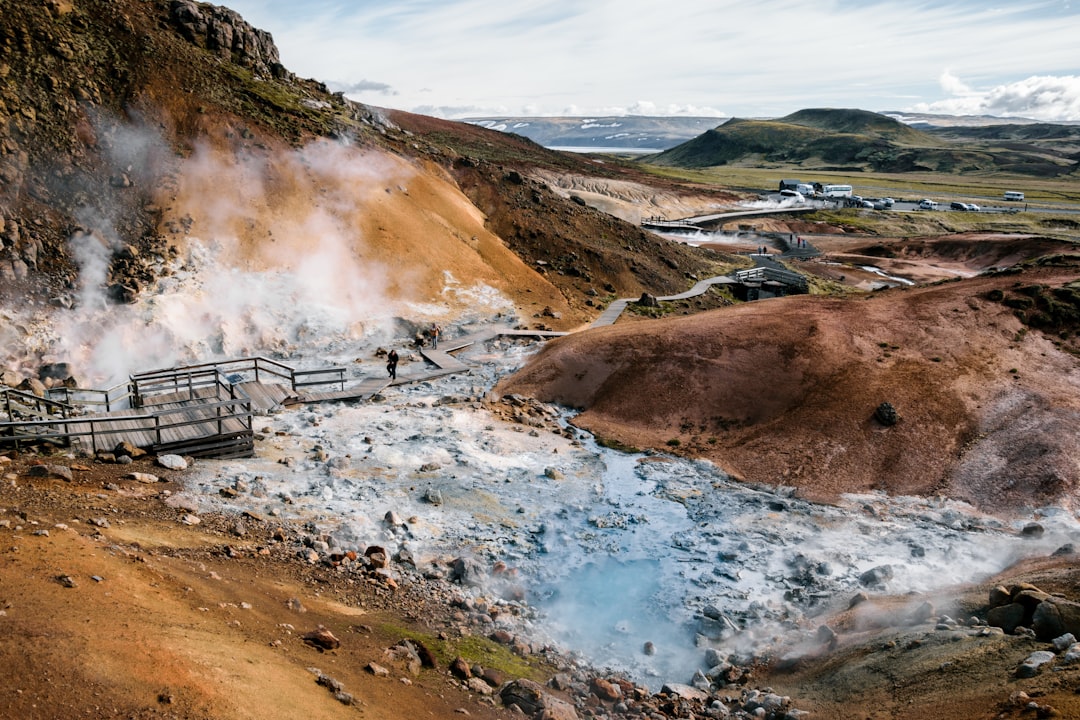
(463, 58)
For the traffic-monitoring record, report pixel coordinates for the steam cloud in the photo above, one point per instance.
(274, 261)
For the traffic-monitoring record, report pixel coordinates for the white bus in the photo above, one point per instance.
(1013, 195)
(836, 191)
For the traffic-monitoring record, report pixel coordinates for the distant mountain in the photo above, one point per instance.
(630, 133)
(857, 140)
(931, 120)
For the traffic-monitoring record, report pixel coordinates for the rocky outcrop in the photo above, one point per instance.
(224, 32)
(1024, 605)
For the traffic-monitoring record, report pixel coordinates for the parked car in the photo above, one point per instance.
(793, 195)
(868, 205)
(972, 207)
(928, 205)
(887, 202)
(958, 206)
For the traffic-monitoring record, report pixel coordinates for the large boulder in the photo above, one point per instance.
(531, 699)
(1055, 617)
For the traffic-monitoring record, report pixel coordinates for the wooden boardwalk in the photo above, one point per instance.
(207, 410)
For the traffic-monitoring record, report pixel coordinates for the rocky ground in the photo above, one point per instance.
(119, 600)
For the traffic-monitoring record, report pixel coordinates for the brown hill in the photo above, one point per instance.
(785, 391)
(215, 140)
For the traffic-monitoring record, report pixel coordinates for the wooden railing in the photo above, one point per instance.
(99, 429)
(208, 395)
(117, 397)
(760, 274)
(192, 377)
(24, 403)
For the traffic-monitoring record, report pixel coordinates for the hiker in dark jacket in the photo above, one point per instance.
(391, 364)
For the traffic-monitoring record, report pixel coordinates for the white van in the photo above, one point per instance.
(928, 205)
(1014, 196)
(805, 189)
(836, 191)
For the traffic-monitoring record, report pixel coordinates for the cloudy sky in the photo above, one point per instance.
(765, 58)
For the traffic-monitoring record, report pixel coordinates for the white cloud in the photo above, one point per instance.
(361, 86)
(953, 85)
(1040, 97)
(771, 57)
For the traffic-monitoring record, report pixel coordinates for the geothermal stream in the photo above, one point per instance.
(612, 550)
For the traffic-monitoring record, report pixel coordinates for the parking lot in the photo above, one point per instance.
(904, 205)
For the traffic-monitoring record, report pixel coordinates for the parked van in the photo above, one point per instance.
(836, 191)
(928, 205)
(1015, 196)
(805, 189)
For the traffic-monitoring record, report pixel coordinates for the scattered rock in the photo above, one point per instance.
(1034, 663)
(143, 477)
(459, 668)
(531, 699)
(60, 472)
(322, 639)
(172, 462)
(876, 577)
(377, 670)
(1064, 642)
(886, 414)
(647, 300)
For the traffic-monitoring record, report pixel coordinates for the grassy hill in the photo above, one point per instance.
(858, 140)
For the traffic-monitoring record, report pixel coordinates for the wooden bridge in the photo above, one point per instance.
(203, 410)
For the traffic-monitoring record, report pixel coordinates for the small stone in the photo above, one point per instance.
(377, 670)
(877, 576)
(1034, 530)
(459, 668)
(322, 639)
(857, 599)
(1032, 666)
(143, 477)
(1063, 642)
(886, 414)
(172, 462)
(190, 519)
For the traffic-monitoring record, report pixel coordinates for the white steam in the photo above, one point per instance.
(273, 258)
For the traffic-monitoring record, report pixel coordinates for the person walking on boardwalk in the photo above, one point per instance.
(435, 330)
(391, 364)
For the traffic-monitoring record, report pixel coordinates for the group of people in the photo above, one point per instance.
(392, 357)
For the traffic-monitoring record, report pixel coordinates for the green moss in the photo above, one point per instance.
(474, 648)
(613, 444)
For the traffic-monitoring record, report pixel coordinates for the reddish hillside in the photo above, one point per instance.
(785, 391)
